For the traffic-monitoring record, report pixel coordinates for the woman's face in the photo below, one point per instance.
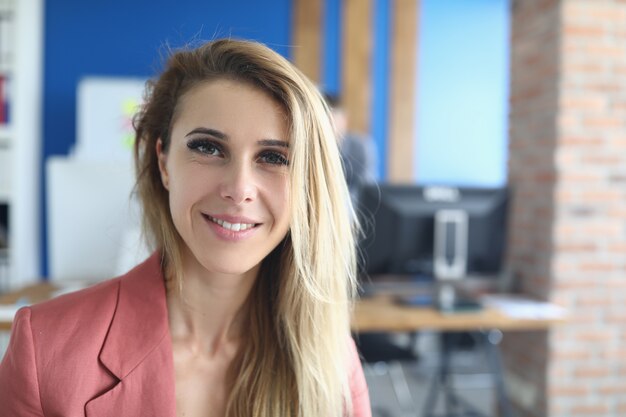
(226, 171)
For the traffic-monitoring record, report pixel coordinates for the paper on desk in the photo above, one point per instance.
(524, 308)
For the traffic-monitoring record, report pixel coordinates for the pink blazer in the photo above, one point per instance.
(104, 351)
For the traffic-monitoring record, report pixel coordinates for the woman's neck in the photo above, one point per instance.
(209, 311)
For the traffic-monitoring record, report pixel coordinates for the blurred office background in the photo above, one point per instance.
(525, 93)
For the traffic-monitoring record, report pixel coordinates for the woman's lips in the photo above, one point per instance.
(231, 228)
(234, 226)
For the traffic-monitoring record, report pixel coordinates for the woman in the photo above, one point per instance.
(243, 309)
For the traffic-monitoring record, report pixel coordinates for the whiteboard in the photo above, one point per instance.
(105, 108)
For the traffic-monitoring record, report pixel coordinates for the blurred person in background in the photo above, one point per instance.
(358, 152)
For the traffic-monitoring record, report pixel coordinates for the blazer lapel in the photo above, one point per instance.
(138, 349)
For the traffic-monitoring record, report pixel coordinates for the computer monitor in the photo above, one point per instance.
(399, 227)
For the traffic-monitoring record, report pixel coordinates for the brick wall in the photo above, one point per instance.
(568, 229)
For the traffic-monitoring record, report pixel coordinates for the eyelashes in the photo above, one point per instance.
(274, 158)
(210, 148)
(205, 147)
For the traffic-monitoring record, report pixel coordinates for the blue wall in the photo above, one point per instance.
(381, 55)
(462, 76)
(331, 46)
(463, 79)
(125, 38)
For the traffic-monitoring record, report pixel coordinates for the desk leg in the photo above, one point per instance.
(442, 381)
(452, 402)
(491, 340)
(431, 398)
(456, 406)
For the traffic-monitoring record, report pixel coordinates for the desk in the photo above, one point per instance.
(382, 314)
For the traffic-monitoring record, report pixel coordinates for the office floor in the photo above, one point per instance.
(471, 382)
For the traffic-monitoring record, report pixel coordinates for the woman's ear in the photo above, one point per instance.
(162, 157)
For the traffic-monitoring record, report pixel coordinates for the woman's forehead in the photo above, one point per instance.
(233, 104)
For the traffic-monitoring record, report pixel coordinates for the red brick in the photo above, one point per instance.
(605, 196)
(574, 247)
(592, 300)
(574, 390)
(578, 30)
(614, 355)
(581, 141)
(604, 121)
(591, 371)
(597, 267)
(592, 336)
(590, 409)
(613, 390)
(584, 103)
(619, 247)
(575, 355)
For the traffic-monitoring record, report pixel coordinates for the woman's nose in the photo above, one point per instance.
(238, 184)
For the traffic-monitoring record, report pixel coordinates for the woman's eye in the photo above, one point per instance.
(274, 158)
(204, 147)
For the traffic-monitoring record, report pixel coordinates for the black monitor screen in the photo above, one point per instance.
(399, 227)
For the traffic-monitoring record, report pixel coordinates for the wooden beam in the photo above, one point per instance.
(357, 64)
(402, 102)
(308, 29)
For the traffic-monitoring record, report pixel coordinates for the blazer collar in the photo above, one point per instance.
(140, 321)
(138, 349)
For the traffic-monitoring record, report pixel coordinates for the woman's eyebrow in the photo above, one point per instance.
(223, 136)
(273, 142)
(207, 131)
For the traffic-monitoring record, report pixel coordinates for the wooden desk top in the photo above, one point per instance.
(382, 314)
(374, 314)
(28, 295)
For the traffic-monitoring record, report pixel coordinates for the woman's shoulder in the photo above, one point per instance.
(95, 301)
(67, 336)
(86, 299)
(67, 331)
(79, 316)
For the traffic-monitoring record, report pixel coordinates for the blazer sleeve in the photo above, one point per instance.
(358, 386)
(19, 385)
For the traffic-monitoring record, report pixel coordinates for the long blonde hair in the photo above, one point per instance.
(295, 360)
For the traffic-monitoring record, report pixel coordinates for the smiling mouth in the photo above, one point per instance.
(235, 227)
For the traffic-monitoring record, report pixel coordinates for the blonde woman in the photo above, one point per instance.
(243, 309)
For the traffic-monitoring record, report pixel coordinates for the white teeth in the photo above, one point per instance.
(235, 227)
